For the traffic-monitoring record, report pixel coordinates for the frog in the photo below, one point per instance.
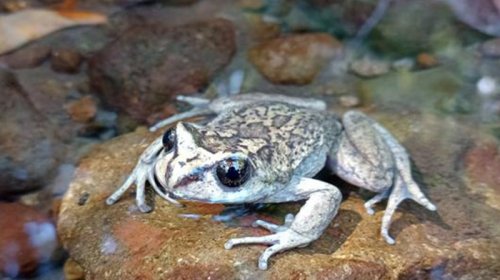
(267, 148)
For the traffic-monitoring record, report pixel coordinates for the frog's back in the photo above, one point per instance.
(276, 136)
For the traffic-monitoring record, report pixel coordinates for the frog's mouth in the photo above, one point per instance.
(186, 181)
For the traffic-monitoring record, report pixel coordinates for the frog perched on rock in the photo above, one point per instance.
(265, 149)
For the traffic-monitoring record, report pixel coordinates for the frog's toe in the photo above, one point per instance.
(376, 199)
(279, 242)
(268, 239)
(273, 227)
(144, 207)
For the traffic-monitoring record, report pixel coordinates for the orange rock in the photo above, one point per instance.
(27, 238)
(82, 110)
(295, 59)
(425, 60)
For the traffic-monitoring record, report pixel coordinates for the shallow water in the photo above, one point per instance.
(76, 102)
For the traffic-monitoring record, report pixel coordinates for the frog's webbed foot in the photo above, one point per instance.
(322, 204)
(279, 241)
(143, 173)
(273, 227)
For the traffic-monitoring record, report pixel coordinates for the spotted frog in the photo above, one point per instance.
(261, 148)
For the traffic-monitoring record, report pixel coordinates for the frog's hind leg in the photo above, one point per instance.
(368, 156)
(404, 186)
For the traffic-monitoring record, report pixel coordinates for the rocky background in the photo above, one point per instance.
(75, 105)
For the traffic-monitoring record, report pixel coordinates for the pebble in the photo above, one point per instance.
(369, 67)
(82, 110)
(425, 61)
(294, 59)
(66, 61)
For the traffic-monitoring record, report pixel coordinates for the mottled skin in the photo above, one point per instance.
(286, 141)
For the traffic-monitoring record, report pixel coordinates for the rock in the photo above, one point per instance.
(141, 72)
(28, 57)
(30, 149)
(66, 61)
(460, 240)
(491, 48)
(403, 64)
(369, 68)
(295, 59)
(349, 101)
(82, 110)
(410, 27)
(425, 61)
(483, 15)
(27, 239)
(481, 163)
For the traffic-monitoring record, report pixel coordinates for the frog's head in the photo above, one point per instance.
(191, 172)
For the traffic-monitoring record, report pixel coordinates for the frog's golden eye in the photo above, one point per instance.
(233, 172)
(169, 140)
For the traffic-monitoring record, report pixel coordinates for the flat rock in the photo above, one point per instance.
(141, 71)
(460, 240)
(295, 59)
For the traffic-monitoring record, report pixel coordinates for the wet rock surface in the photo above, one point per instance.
(295, 59)
(141, 72)
(29, 153)
(460, 240)
(66, 61)
(27, 239)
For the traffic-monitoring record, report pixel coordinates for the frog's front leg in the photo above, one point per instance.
(143, 172)
(368, 156)
(322, 204)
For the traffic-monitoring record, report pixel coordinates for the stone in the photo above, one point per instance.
(28, 57)
(369, 68)
(491, 48)
(426, 60)
(82, 110)
(410, 27)
(483, 15)
(460, 240)
(27, 239)
(30, 148)
(141, 72)
(66, 61)
(294, 59)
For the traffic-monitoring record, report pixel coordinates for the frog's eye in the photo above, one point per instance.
(169, 140)
(233, 172)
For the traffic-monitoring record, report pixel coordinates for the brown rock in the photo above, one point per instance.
(82, 110)
(29, 147)
(295, 59)
(27, 239)
(142, 71)
(369, 68)
(28, 57)
(425, 60)
(66, 61)
(491, 48)
(460, 240)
